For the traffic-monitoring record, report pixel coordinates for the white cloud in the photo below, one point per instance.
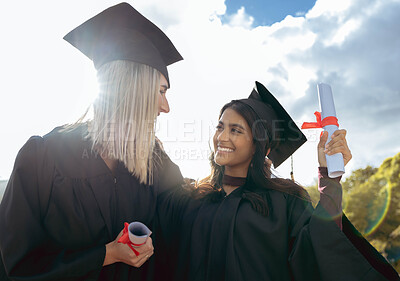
(241, 19)
(343, 31)
(352, 45)
(328, 8)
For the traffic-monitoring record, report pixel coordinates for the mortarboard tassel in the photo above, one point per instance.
(291, 171)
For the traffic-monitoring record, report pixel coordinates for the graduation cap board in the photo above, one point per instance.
(122, 33)
(284, 135)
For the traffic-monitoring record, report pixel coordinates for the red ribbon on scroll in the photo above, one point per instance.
(330, 120)
(125, 239)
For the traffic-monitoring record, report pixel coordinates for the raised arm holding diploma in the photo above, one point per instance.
(328, 121)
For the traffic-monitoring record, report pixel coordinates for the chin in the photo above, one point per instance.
(221, 162)
(217, 162)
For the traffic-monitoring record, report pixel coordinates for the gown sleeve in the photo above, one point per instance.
(27, 251)
(171, 201)
(331, 194)
(320, 250)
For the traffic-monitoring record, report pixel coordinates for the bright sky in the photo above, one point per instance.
(353, 45)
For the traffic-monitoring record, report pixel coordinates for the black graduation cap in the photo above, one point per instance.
(284, 136)
(122, 33)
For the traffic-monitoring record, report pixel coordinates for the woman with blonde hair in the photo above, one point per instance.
(71, 190)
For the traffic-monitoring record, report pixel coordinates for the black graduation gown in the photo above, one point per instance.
(62, 205)
(228, 240)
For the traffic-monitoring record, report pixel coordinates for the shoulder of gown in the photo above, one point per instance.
(21, 212)
(167, 175)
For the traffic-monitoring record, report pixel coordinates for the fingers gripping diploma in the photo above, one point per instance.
(337, 144)
(135, 253)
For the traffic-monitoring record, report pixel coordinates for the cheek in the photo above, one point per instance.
(215, 141)
(247, 149)
(159, 100)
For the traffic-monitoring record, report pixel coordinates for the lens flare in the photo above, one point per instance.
(379, 212)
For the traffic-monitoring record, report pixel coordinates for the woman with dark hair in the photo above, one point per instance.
(242, 224)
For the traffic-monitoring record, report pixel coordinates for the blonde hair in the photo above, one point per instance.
(123, 125)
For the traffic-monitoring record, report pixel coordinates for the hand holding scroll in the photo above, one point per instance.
(120, 252)
(337, 144)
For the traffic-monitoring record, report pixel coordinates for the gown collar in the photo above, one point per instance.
(233, 181)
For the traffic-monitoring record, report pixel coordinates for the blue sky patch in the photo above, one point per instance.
(267, 12)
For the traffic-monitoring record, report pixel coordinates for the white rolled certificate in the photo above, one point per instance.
(138, 233)
(334, 162)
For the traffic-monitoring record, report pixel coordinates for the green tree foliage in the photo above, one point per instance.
(371, 200)
(358, 177)
(372, 203)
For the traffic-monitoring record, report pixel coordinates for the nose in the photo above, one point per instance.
(164, 106)
(223, 136)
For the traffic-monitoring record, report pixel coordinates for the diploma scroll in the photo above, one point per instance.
(135, 234)
(138, 233)
(334, 162)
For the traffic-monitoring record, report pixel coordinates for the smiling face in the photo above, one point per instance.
(233, 144)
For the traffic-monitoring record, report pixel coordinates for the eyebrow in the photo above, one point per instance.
(233, 125)
(237, 125)
(164, 86)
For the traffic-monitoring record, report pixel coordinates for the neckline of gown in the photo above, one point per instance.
(233, 181)
(235, 192)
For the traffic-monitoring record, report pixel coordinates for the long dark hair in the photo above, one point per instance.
(259, 172)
